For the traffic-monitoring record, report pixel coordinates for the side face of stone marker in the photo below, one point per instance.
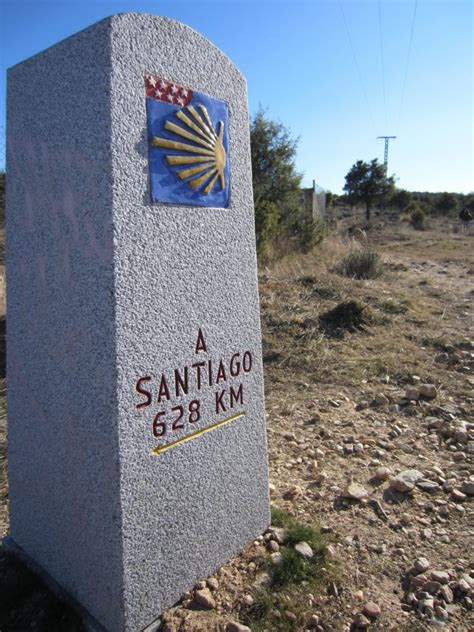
(64, 469)
(174, 424)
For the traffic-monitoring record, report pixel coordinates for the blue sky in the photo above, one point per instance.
(332, 71)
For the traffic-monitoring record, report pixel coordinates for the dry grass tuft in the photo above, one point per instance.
(362, 263)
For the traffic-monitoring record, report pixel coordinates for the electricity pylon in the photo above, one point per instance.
(385, 157)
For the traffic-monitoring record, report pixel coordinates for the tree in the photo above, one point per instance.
(367, 183)
(276, 183)
(401, 199)
(447, 204)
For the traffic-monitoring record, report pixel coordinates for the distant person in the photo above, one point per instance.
(465, 216)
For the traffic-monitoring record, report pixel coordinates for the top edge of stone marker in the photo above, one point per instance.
(135, 15)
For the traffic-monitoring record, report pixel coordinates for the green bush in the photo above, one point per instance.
(311, 232)
(361, 264)
(418, 219)
(266, 226)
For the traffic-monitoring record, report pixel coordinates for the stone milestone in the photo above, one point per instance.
(137, 446)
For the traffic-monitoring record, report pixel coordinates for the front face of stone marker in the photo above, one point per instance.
(165, 474)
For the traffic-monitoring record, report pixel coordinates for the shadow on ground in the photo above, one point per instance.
(28, 604)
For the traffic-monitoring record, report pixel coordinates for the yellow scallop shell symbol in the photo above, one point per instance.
(207, 153)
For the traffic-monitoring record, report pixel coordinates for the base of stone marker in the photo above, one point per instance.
(90, 623)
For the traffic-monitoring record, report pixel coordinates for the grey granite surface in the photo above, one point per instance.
(105, 288)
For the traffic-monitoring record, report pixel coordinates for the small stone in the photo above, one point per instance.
(431, 587)
(293, 493)
(372, 610)
(406, 480)
(276, 558)
(421, 565)
(278, 534)
(441, 358)
(381, 400)
(355, 491)
(427, 486)
(467, 487)
(313, 621)
(417, 581)
(457, 496)
(464, 586)
(362, 405)
(360, 621)
(291, 616)
(213, 583)
(271, 489)
(449, 484)
(303, 549)
(248, 600)
(204, 599)
(273, 546)
(441, 613)
(412, 394)
(399, 484)
(382, 473)
(440, 576)
(235, 626)
(468, 578)
(358, 595)
(428, 391)
(425, 605)
(447, 594)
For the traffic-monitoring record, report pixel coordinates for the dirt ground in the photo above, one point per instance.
(339, 413)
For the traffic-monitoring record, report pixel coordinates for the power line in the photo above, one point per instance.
(407, 63)
(382, 62)
(362, 85)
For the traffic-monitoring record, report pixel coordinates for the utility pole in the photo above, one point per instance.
(385, 157)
